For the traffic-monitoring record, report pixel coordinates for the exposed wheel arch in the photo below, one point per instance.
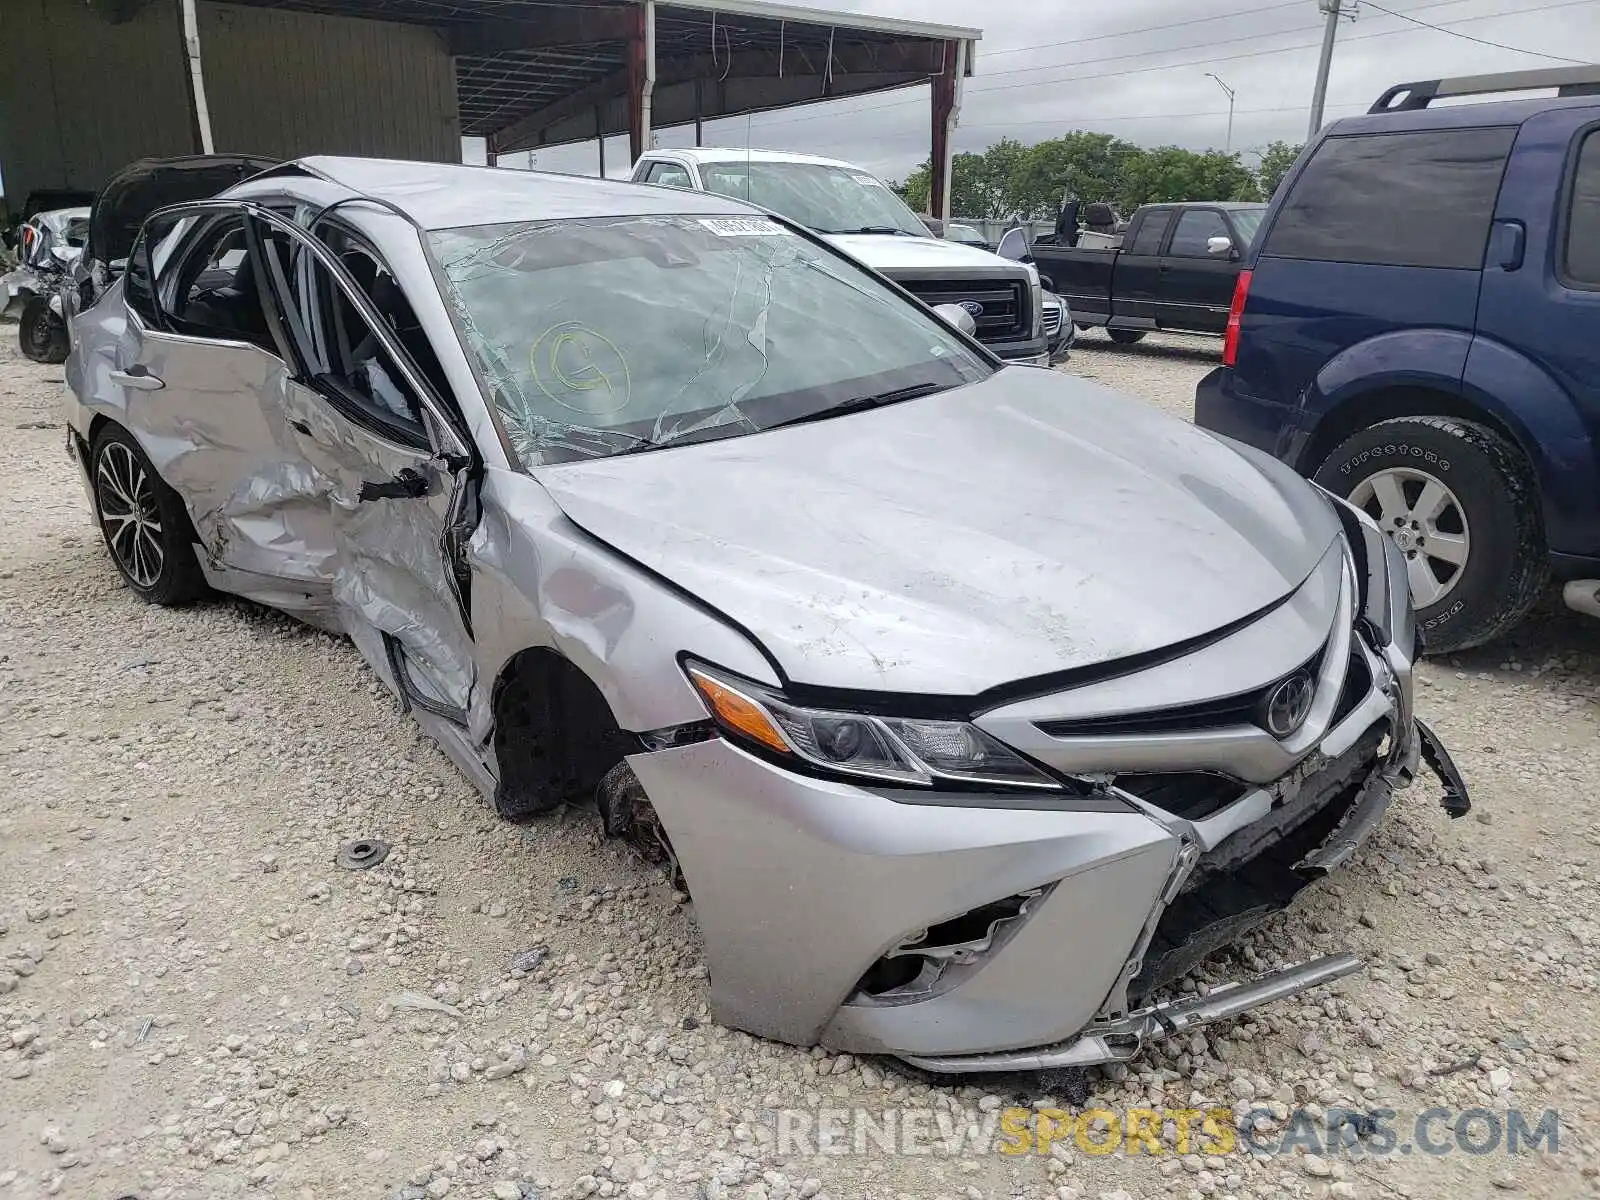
(555, 736)
(1366, 409)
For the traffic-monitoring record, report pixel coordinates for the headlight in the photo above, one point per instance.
(904, 750)
(1383, 592)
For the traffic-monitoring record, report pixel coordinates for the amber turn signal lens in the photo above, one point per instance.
(738, 712)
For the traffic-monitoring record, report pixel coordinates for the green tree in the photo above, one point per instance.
(1171, 173)
(1090, 166)
(1276, 160)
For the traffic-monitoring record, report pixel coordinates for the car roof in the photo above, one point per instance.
(1465, 115)
(448, 195)
(711, 154)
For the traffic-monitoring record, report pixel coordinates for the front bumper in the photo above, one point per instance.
(971, 932)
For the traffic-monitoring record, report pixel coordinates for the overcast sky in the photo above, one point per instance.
(1131, 69)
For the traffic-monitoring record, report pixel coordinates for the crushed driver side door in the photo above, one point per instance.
(401, 469)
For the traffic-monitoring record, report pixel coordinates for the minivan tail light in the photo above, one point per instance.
(1230, 339)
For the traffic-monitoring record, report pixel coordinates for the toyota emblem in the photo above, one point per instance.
(1288, 704)
(973, 308)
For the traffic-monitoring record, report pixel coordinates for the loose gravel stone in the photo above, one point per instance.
(193, 1006)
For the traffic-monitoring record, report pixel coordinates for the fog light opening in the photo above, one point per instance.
(916, 966)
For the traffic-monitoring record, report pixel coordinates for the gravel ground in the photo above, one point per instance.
(195, 1001)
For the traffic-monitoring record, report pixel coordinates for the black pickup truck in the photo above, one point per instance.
(1174, 269)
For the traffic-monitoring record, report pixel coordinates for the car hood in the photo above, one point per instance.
(1025, 525)
(889, 252)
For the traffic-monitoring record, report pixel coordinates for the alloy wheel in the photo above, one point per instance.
(126, 495)
(1426, 521)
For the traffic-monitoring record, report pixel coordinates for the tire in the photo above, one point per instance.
(1125, 337)
(1470, 491)
(42, 334)
(143, 522)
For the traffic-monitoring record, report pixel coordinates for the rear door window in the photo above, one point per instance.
(668, 174)
(1196, 228)
(1153, 229)
(1581, 252)
(1420, 199)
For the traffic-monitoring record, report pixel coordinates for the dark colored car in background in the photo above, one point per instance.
(1418, 329)
(1174, 269)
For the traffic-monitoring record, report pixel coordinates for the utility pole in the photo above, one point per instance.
(1335, 10)
(1227, 147)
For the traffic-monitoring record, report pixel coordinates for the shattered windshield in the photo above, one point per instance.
(825, 198)
(611, 335)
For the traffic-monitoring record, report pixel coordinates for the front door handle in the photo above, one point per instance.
(407, 484)
(138, 378)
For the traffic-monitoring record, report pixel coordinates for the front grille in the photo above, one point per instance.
(1224, 713)
(1192, 795)
(1250, 875)
(1004, 303)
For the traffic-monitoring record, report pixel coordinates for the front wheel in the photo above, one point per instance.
(42, 334)
(1462, 504)
(1125, 337)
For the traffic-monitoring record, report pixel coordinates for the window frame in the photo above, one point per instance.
(668, 164)
(439, 430)
(155, 324)
(1162, 238)
(1266, 234)
(1562, 241)
(1204, 255)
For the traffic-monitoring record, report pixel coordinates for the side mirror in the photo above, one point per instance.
(1220, 247)
(1013, 245)
(954, 314)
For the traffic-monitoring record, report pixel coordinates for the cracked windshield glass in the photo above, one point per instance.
(606, 336)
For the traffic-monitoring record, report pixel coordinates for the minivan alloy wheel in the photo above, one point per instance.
(126, 495)
(1426, 521)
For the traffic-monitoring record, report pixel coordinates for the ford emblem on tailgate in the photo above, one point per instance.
(973, 307)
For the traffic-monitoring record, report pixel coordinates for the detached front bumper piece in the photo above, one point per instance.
(1118, 1041)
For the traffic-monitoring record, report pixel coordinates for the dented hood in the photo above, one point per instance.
(1024, 525)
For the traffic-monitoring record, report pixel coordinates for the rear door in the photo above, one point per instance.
(201, 371)
(1136, 279)
(1196, 286)
(1544, 301)
(400, 492)
(1379, 232)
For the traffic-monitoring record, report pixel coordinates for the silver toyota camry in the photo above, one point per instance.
(971, 704)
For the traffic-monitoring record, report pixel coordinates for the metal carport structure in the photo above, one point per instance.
(532, 73)
(97, 83)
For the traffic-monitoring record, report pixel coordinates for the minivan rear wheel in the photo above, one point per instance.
(1462, 504)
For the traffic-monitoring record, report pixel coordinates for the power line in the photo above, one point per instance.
(1100, 37)
(1249, 37)
(1481, 41)
(1076, 118)
(1170, 66)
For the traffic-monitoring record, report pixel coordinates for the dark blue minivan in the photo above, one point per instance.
(1418, 329)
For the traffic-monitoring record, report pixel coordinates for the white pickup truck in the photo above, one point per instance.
(858, 213)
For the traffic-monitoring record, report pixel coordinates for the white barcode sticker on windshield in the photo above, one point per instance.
(744, 227)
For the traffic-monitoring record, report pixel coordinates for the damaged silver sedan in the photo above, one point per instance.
(972, 704)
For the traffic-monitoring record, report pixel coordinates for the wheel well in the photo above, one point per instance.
(1367, 409)
(554, 734)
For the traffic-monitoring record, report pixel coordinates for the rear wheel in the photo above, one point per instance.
(143, 522)
(43, 335)
(1462, 504)
(1125, 337)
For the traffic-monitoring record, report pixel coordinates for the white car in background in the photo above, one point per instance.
(859, 214)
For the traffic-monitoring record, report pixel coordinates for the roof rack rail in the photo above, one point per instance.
(1568, 81)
